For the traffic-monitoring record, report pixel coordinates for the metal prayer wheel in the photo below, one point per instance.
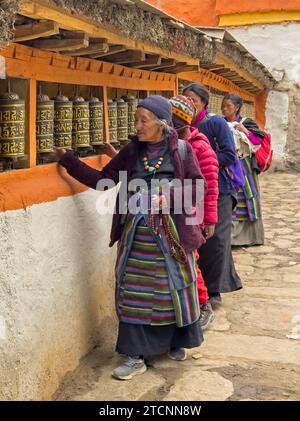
(63, 114)
(122, 120)
(12, 125)
(44, 124)
(132, 106)
(112, 120)
(96, 121)
(81, 123)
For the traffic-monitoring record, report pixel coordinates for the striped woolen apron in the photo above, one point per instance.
(248, 206)
(145, 296)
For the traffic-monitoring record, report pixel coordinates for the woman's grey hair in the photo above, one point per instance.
(167, 125)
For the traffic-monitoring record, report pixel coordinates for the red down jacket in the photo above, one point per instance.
(209, 167)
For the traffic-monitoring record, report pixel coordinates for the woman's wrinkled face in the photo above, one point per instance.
(148, 128)
(229, 109)
(199, 103)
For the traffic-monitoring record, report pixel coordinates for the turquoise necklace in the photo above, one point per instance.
(151, 168)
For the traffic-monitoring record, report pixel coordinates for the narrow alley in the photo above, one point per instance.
(246, 354)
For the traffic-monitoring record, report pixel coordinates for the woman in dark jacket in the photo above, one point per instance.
(215, 261)
(156, 293)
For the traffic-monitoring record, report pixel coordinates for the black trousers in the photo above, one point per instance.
(215, 256)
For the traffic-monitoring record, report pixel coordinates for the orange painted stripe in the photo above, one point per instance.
(44, 183)
(260, 108)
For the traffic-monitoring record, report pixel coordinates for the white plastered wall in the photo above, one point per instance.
(56, 292)
(277, 47)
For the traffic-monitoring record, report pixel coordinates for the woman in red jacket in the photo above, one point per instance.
(184, 110)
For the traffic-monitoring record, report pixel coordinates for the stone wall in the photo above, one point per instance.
(136, 23)
(8, 9)
(293, 146)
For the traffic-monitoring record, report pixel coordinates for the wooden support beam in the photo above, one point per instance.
(220, 70)
(173, 67)
(114, 49)
(183, 68)
(61, 44)
(149, 62)
(246, 85)
(212, 67)
(226, 74)
(130, 56)
(82, 35)
(91, 49)
(222, 59)
(165, 63)
(73, 34)
(176, 90)
(37, 30)
(93, 40)
(26, 62)
(236, 80)
(218, 82)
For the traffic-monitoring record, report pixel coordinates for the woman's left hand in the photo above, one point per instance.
(159, 202)
(240, 127)
(109, 150)
(57, 153)
(209, 231)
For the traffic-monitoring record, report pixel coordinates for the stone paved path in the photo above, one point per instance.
(246, 354)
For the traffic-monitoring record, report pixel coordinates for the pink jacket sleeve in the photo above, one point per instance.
(254, 139)
(209, 167)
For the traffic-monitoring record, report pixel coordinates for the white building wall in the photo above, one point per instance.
(277, 47)
(56, 292)
(278, 126)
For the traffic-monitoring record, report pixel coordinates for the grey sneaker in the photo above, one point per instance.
(215, 299)
(130, 368)
(206, 315)
(178, 354)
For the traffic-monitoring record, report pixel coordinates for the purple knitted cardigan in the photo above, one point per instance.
(190, 236)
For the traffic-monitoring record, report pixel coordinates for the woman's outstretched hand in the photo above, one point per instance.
(109, 150)
(159, 202)
(209, 231)
(58, 152)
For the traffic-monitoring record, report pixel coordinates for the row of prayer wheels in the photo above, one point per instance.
(68, 123)
(63, 122)
(78, 123)
(121, 118)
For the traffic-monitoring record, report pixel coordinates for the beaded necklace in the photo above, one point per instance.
(152, 168)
